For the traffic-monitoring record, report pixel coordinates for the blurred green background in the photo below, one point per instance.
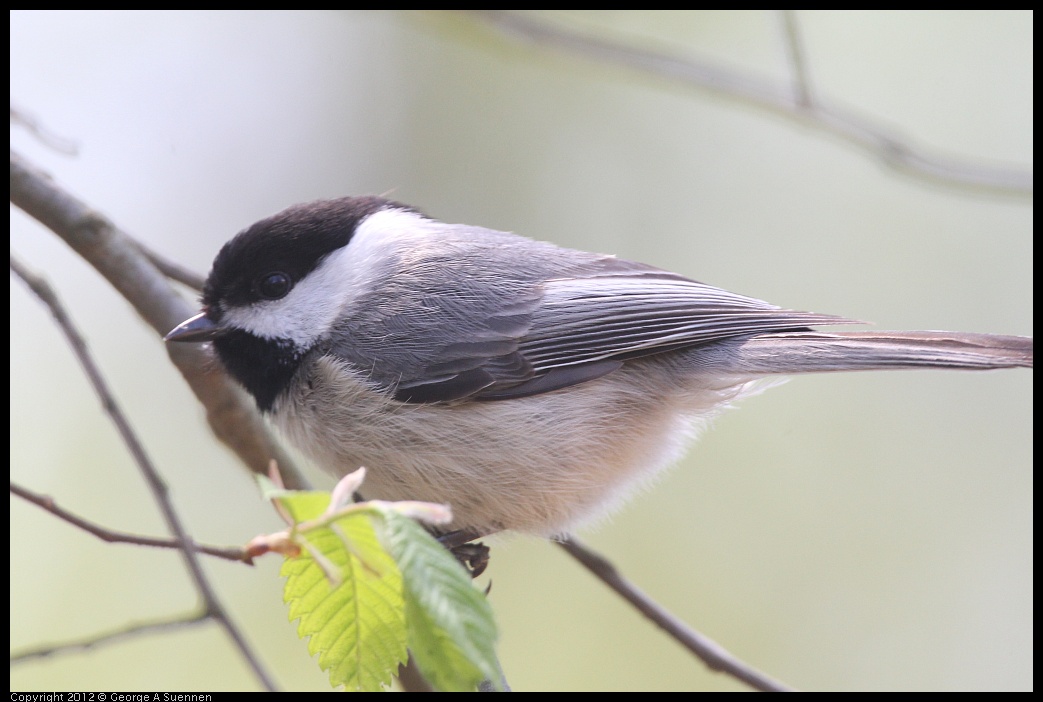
(860, 531)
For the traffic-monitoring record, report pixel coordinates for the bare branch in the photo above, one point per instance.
(156, 626)
(173, 270)
(122, 537)
(45, 136)
(893, 149)
(213, 605)
(795, 56)
(709, 651)
(119, 258)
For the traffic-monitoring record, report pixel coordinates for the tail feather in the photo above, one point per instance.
(819, 352)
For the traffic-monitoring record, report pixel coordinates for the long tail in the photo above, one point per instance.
(818, 352)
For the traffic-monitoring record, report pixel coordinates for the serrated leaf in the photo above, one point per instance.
(451, 628)
(357, 628)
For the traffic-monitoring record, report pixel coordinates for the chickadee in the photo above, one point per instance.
(528, 386)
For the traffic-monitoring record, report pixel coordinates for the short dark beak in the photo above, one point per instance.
(195, 329)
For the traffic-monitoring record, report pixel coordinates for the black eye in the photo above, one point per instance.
(273, 286)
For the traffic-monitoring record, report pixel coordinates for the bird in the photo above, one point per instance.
(530, 387)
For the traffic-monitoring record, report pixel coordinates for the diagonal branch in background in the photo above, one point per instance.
(795, 56)
(715, 656)
(123, 262)
(157, 626)
(112, 536)
(45, 136)
(157, 486)
(797, 104)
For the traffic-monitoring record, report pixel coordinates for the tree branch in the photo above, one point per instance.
(892, 148)
(158, 487)
(131, 630)
(121, 261)
(112, 536)
(709, 651)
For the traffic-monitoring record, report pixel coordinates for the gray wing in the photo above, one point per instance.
(501, 338)
(581, 320)
(465, 324)
(588, 326)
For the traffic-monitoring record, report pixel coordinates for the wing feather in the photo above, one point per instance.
(582, 320)
(476, 314)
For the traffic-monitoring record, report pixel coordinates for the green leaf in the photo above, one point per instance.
(357, 627)
(304, 504)
(451, 629)
(359, 604)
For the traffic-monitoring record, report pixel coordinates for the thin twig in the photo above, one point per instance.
(795, 55)
(230, 412)
(213, 605)
(895, 150)
(709, 651)
(35, 127)
(172, 270)
(122, 537)
(85, 644)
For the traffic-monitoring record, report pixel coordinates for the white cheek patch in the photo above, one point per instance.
(308, 312)
(378, 246)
